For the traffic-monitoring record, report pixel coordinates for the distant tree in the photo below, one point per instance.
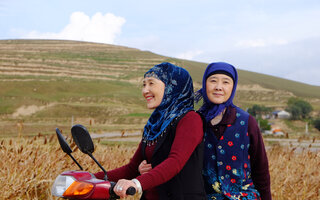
(264, 124)
(296, 112)
(257, 111)
(299, 108)
(316, 123)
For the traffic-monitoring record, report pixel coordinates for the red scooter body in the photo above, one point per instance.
(85, 186)
(82, 184)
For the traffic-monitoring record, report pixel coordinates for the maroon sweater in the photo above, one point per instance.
(258, 156)
(189, 133)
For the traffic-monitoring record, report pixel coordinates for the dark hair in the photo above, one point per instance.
(221, 72)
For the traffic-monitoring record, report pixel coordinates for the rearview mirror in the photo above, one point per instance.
(65, 147)
(63, 143)
(82, 139)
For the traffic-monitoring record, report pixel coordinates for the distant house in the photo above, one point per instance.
(281, 114)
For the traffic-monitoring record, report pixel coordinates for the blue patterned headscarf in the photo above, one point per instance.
(177, 99)
(209, 109)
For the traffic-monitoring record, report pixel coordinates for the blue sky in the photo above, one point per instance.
(274, 37)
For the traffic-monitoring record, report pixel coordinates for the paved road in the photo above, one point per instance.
(296, 143)
(300, 145)
(115, 134)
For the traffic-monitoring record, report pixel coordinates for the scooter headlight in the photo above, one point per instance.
(67, 186)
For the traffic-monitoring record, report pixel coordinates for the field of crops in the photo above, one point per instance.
(30, 165)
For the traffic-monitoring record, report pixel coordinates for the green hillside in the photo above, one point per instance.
(52, 83)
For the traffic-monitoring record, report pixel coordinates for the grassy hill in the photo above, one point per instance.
(53, 83)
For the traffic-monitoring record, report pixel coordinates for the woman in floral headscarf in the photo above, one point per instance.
(171, 148)
(235, 160)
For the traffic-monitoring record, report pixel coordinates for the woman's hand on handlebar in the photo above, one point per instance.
(121, 187)
(144, 167)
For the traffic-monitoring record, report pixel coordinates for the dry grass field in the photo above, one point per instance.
(30, 165)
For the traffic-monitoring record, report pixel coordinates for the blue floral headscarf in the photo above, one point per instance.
(209, 109)
(177, 99)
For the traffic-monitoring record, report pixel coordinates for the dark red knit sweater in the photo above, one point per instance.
(189, 134)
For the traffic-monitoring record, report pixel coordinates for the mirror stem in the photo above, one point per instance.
(75, 161)
(104, 171)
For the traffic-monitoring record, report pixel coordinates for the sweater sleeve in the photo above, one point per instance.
(128, 171)
(259, 160)
(189, 134)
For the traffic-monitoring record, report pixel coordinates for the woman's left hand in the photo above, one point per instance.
(144, 167)
(121, 187)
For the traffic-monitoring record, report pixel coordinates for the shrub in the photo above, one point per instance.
(257, 110)
(298, 108)
(316, 123)
(264, 124)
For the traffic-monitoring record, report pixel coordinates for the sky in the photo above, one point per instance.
(273, 37)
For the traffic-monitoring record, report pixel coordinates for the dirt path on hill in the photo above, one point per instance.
(29, 110)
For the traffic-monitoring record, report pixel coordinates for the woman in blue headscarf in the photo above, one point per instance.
(235, 160)
(171, 149)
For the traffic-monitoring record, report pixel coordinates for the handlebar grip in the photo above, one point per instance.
(131, 191)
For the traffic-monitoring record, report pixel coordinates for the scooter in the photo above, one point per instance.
(82, 184)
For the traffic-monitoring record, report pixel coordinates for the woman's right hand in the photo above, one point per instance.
(122, 186)
(144, 167)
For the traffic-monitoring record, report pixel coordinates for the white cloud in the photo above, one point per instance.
(189, 55)
(99, 28)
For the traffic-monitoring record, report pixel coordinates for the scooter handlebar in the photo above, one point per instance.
(130, 191)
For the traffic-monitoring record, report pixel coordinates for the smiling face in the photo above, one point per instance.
(219, 88)
(152, 91)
